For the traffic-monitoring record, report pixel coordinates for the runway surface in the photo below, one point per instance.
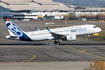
(17, 52)
(43, 53)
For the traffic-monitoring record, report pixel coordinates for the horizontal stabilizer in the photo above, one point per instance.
(12, 37)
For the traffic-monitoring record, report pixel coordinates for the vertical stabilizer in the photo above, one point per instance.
(14, 30)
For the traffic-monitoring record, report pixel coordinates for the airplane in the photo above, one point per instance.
(64, 34)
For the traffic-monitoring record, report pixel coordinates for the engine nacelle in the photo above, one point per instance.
(69, 37)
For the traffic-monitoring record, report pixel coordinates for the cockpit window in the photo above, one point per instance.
(94, 26)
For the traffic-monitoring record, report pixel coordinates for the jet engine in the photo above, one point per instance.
(69, 37)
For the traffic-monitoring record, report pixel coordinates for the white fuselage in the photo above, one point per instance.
(77, 30)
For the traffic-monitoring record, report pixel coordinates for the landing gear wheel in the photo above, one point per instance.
(88, 37)
(56, 42)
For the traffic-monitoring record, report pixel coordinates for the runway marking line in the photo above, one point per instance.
(85, 52)
(94, 52)
(88, 49)
(28, 54)
(24, 53)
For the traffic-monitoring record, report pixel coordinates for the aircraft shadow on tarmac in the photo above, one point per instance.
(52, 44)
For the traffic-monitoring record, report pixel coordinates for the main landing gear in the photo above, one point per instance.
(56, 42)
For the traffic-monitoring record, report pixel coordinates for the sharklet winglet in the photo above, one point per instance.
(48, 29)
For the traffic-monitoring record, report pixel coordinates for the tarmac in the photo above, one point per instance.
(45, 66)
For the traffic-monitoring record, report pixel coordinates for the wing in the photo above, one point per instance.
(63, 35)
(56, 34)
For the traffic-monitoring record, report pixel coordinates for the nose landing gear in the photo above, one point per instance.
(88, 37)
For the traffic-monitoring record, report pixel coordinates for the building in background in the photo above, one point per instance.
(46, 10)
(5, 13)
